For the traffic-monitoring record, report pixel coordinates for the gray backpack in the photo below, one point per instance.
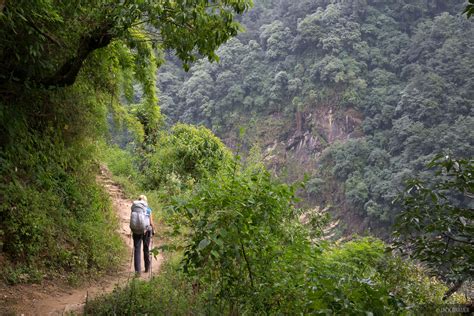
(138, 221)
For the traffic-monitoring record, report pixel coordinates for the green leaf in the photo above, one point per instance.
(203, 244)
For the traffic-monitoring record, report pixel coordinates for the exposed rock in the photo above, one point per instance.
(322, 127)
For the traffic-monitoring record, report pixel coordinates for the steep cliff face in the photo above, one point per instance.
(297, 149)
(322, 126)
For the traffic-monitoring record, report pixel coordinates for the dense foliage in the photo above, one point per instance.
(237, 245)
(186, 154)
(56, 38)
(393, 77)
(241, 245)
(53, 215)
(437, 222)
(64, 66)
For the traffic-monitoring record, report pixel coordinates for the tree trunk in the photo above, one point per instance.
(67, 73)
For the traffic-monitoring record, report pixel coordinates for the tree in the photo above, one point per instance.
(436, 225)
(46, 44)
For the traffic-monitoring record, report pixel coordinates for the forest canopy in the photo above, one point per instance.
(361, 95)
(45, 42)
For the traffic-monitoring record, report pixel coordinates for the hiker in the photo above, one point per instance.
(141, 223)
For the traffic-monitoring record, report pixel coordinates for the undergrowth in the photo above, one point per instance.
(168, 293)
(237, 247)
(55, 220)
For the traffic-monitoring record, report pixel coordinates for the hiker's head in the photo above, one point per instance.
(143, 198)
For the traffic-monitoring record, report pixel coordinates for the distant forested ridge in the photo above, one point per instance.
(358, 94)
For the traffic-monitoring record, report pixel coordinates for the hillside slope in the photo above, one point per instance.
(359, 95)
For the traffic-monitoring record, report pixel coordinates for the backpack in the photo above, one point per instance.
(138, 221)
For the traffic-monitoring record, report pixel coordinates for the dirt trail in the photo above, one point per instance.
(51, 298)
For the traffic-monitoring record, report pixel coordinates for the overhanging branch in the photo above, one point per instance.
(67, 73)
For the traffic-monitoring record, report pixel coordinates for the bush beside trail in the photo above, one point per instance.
(235, 245)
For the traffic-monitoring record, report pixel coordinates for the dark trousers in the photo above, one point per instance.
(137, 245)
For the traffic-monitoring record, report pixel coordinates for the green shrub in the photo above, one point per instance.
(120, 162)
(189, 153)
(242, 238)
(21, 274)
(168, 293)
